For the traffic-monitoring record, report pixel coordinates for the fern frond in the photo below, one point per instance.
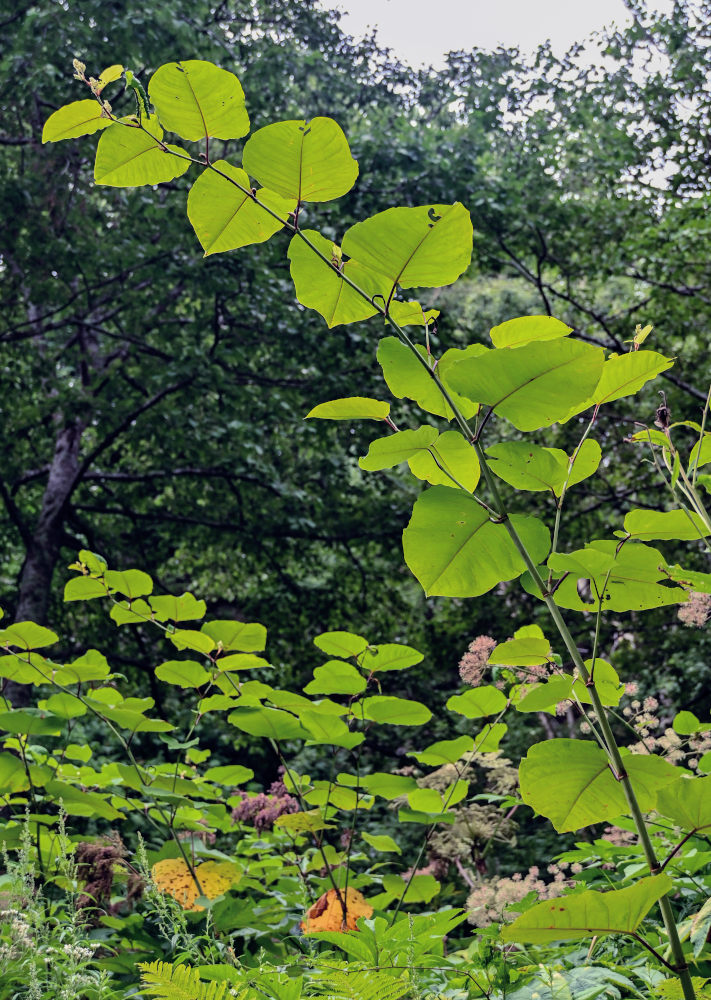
(343, 985)
(177, 982)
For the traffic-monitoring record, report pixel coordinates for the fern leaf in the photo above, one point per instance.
(343, 985)
(177, 982)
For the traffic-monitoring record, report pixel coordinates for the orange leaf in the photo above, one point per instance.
(327, 912)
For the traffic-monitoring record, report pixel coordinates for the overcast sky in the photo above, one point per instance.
(424, 30)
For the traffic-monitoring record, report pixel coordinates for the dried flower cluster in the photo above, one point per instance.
(263, 810)
(473, 665)
(697, 610)
(492, 901)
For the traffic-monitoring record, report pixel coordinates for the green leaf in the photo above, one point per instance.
(588, 914)
(395, 711)
(27, 635)
(177, 609)
(65, 705)
(84, 588)
(686, 723)
(607, 684)
(94, 563)
(627, 373)
(241, 661)
(488, 739)
(73, 120)
(30, 722)
(329, 730)
(527, 651)
(352, 408)
(182, 673)
(386, 452)
(198, 642)
(411, 313)
(700, 454)
(526, 329)
(654, 525)
(131, 612)
(544, 697)
(229, 774)
(408, 378)
(570, 782)
(91, 666)
(387, 786)
(381, 842)
(454, 550)
(197, 99)
(344, 644)
(336, 677)
(224, 214)
(322, 286)
(687, 802)
(12, 775)
(422, 888)
(246, 637)
(272, 723)
(586, 462)
(700, 926)
(444, 751)
(305, 161)
(455, 455)
(428, 246)
(532, 386)
(527, 466)
(390, 656)
(425, 800)
(129, 156)
(477, 703)
(131, 583)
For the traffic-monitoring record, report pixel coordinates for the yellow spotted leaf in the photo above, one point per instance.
(173, 876)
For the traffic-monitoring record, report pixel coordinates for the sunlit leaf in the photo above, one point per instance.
(197, 99)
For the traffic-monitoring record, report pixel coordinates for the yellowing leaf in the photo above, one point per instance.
(173, 876)
(327, 912)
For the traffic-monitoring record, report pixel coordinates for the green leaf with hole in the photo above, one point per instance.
(408, 378)
(532, 386)
(477, 703)
(323, 285)
(427, 246)
(390, 656)
(394, 711)
(386, 452)
(655, 525)
(177, 609)
(224, 214)
(571, 783)
(351, 408)
(451, 460)
(73, 120)
(130, 156)
(336, 677)
(454, 550)
(197, 100)
(527, 329)
(306, 161)
(245, 637)
(182, 673)
(588, 914)
(687, 802)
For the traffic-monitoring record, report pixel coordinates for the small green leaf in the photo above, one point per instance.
(321, 284)
(177, 609)
(408, 378)
(381, 842)
(12, 775)
(241, 661)
(422, 888)
(454, 550)
(477, 703)
(625, 374)
(336, 677)
(27, 635)
(92, 666)
(199, 642)
(306, 161)
(65, 705)
(700, 454)
(527, 466)
(229, 774)
(588, 914)
(487, 741)
(686, 723)
(182, 673)
(544, 697)
(131, 613)
(526, 651)
(444, 751)
(344, 644)
(224, 214)
(428, 246)
(526, 329)
(386, 452)
(272, 723)
(411, 313)
(73, 120)
(131, 583)
(130, 156)
(387, 786)
(456, 460)
(654, 525)
(84, 588)
(390, 656)
(395, 711)
(246, 637)
(197, 99)
(352, 408)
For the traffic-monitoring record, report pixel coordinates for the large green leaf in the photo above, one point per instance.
(395, 711)
(526, 329)
(351, 408)
(321, 286)
(268, 722)
(177, 609)
(454, 550)
(343, 644)
(197, 100)
(386, 452)
(408, 378)
(636, 582)
(687, 802)
(224, 214)
(571, 783)
(131, 582)
(655, 525)
(588, 914)
(27, 635)
(130, 156)
(532, 386)
(336, 677)
(477, 703)
(456, 460)
(527, 466)
(627, 373)
(73, 120)
(182, 673)
(246, 637)
(12, 774)
(305, 161)
(427, 246)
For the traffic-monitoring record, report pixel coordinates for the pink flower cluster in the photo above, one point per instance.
(492, 901)
(473, 665)
(261, 810)
(696, 611)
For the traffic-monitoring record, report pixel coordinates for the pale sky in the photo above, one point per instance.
(422, 31)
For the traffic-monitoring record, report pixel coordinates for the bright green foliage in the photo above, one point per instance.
(532, 386)
(527, 466)
(687, 802)
(354, 408)
(224, 214)
(304, 161)
(454, 549)
(73, 120)
(527, 329)
(627, 373)
(478, 703)
(386, 452)
(197, 100)
(450, 461)
(131, 155)
(589, 914)
(655, 525)
(408, 378)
